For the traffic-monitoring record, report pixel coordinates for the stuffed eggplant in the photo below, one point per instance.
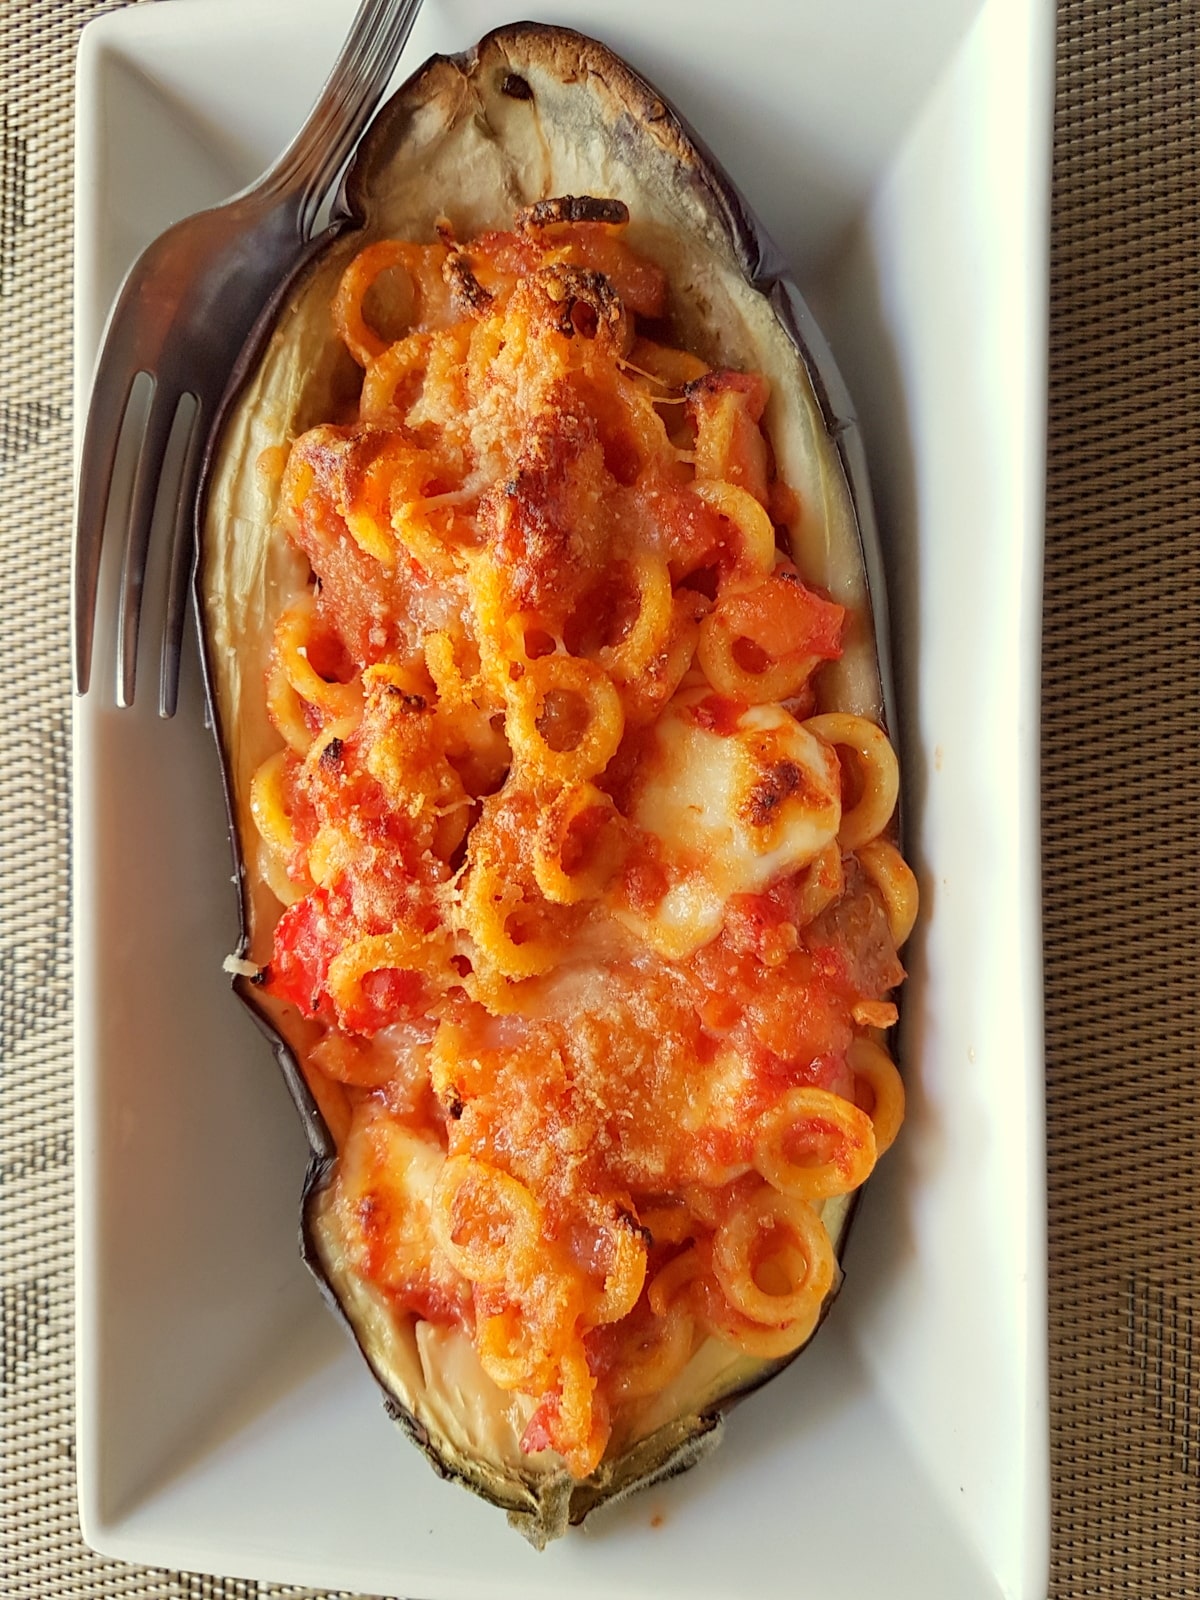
(542, 660)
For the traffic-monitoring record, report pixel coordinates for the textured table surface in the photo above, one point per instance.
(1121, 798)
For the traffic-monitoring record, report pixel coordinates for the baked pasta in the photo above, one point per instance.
(574, 870)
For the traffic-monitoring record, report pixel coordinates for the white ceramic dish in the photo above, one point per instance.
(901, 155)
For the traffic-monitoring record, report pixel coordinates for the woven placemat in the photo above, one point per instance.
(1122, 792)
(1121, 796)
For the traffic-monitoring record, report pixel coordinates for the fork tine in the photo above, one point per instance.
(141, 516)
(101, 437)
(183, 545)
(143, 328)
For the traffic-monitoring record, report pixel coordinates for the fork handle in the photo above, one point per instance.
(356, 83)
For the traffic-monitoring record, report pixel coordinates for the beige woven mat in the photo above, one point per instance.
(1122, 777)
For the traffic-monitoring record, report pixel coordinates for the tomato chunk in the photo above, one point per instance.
(784, 618)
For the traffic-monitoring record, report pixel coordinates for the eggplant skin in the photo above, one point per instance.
(532, 113)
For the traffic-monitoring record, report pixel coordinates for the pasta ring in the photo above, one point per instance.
(286, 709)
(894, 878)
(871, 1062)
(509, 1352)
(625, 1276)
(557, 878)
(673, 1280)
(268, 808)
(741, 508)
(489, 901)
(529, 698)
(651, 629)
(508, 1235)
(841, 1172)
(659, 1351)
(758, 616)
(824, 880)
(363, 343)
(807, 1258)
(401, 950)
(780, 680)
(430, 530)
(292, 635)
(386, 371)
(867, 819)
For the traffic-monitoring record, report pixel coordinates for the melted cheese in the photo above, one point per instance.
(716, 1096)
(494, 604)
(384, 1191)
(732, 813)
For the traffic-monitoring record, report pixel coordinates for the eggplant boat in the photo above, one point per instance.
(541, 655)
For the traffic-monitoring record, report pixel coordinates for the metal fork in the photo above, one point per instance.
(182, 317)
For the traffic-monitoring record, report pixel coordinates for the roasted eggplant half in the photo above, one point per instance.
(567, 211)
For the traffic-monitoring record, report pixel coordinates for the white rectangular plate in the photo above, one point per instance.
(901, 156)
